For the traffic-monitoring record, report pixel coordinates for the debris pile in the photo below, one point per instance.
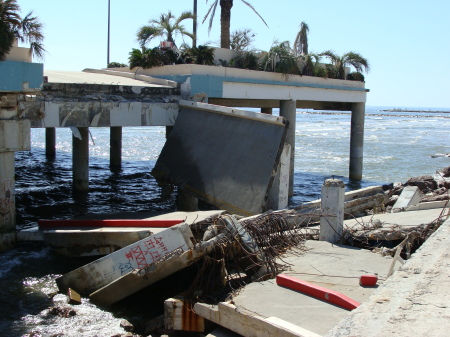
(433, 188)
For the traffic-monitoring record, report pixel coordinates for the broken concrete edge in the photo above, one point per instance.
(428, 205)
(411, 195)
(99, 273)
(246, 323)
(412, 301)
(140, 278)
(231, 111)
(133, 75)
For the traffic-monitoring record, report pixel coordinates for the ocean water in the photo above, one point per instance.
(397, 146)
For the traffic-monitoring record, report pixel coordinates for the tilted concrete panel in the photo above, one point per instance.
(225, 156)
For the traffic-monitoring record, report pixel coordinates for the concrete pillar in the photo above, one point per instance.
(333, 193)
(115, 148)
(357, 141)
(186, 202)
(288, 111)
(7, 201)
(168, 130)
(80, 160)
(266, 111)
(50, 143)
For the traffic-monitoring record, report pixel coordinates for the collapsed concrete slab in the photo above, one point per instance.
(99, 273)
(225, 156)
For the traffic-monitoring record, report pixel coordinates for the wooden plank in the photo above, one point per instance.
(247, 323)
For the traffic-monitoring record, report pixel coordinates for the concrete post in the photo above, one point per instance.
(80, 160)
(357, 141)
(50, 143)
(288, 111)
(115, 148)
(7, 201)
(333, 193)
(266, 111)
(186, 202)
(168, 131)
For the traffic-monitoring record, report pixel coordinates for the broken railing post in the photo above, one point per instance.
(331, 224)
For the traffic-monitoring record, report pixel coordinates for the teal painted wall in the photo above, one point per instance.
(13, 74)
(213, 85)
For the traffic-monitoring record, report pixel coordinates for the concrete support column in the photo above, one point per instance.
(357, 141)
(115, 148)
(186, 202)
(333, 193)
(50, 143)
(168, 130)
(288, 111)
(267, 111)
(80, 160)
(7, 201)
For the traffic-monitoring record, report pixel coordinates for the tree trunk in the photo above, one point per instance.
(225, 18)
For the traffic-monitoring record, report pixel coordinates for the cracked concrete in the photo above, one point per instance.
(414, 301)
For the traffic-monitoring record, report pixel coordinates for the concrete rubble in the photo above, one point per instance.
(238, 258)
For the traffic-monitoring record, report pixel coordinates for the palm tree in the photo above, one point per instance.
(168, 25)
(13, 27)
(281, 59)
(338, 63)
(225, 19)
(301, 40)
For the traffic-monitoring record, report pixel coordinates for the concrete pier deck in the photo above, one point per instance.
(414, 301)
(331, 266)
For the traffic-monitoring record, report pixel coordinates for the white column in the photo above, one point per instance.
(357, 141)
(80, 160)
(288, 111)
(331, 225)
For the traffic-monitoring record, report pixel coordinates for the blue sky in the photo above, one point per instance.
(406, 42)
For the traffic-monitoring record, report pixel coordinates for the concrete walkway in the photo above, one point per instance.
(414, 301)
(331, 266)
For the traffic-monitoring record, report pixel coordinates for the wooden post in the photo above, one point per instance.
(331, 225)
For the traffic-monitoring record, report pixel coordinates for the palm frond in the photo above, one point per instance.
(254, 10)
(37, 49)
(211, 13)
